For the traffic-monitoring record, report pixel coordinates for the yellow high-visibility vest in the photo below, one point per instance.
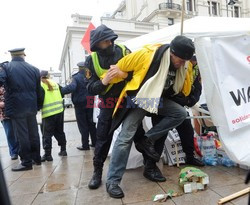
(53, 102)
(100, 72)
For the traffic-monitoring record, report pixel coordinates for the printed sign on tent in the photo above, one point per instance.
(232, 66)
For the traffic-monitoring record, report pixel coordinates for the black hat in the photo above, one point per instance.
(17, 51)
(81, 64)
(182, 47)
(101, 33)
(44, 74)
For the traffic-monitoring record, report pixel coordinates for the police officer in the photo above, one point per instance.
(84, 115)
(22, 99)
(104, 54)
(52, 117)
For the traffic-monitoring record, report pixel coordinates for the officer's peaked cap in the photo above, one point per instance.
(17, 51)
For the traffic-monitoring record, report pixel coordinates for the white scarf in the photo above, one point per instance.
(148, 97)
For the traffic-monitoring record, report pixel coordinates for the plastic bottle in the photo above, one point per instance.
(225, 161)
(208, 150)
(212, 161)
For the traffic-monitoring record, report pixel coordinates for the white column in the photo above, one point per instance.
(192, 5)
(218, 10)
(211, 12)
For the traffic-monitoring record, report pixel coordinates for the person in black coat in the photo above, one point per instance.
(84, 114)
(185, 129)
(104, 54)
(22, 100)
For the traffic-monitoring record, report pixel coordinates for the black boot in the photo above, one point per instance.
(191, 160)
(63, 151)
(47, 156)
(145, 145)
(152, 172)
(114, 191)
(96, 179)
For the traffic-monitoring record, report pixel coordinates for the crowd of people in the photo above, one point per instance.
(158, 81)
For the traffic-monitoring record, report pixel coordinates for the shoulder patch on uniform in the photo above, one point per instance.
(88, 73)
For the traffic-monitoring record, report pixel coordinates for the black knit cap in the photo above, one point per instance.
(182, 47)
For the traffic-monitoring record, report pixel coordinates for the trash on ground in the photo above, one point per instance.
(192, 179)
(164, 197)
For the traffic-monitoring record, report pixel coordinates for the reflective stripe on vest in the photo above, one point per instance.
(99, 70)
(53, 102)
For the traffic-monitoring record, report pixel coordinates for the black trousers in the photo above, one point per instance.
(103, 138)
(186, 133)
(26, 131)
(53, 126)
(86, 126)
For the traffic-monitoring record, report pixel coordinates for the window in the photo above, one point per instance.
(236, 11)
(214, 8)
(170, 21)
(189, 5)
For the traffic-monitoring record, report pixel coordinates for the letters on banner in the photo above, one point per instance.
(232, 67)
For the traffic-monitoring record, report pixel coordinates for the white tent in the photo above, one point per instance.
(195, 27)
(223, 53)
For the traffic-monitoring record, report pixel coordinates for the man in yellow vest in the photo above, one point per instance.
(52, 117)
(104, 53)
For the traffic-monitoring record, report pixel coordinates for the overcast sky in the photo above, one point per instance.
(40, 26)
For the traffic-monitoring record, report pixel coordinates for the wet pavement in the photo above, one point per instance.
(64, 181)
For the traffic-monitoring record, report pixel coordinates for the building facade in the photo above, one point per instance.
(133, 18)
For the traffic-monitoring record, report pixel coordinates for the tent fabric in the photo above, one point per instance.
(202, 29)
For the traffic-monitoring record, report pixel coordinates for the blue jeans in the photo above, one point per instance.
(174, 114)
(11, 139)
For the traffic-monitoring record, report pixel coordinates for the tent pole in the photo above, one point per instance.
(182, 15)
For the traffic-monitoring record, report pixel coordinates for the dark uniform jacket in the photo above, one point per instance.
(95, 85)
(78, 88)
(23, 89)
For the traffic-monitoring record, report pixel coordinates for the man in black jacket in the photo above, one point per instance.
(165, 70)
(104, 54)
(185, 129)
(22, 100)
(84, 115)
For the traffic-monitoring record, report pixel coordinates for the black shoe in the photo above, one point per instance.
(20, 167)
(147, 147)
(63, 153)
(96, 180)
(92, 145)
(154, 174)
(114, 191)
(35, 162)
(83, 148)
(46, 157)
(191, 160)
(14, 157)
